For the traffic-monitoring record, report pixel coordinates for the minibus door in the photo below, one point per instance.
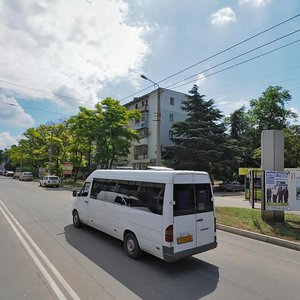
(83, 202)
(204, 212)
(205, 228)
(185, 236)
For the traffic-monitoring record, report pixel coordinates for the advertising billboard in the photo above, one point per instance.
(294, 190)
(276, 190)
(67, 168)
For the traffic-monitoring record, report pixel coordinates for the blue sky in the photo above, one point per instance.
(87, 50)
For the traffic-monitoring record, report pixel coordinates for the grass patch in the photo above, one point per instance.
(250, 219)
(71, 183)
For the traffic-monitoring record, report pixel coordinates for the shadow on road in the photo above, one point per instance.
(148, 277)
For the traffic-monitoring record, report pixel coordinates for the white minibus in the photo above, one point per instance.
(169, 214)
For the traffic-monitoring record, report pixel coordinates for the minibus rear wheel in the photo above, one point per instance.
(76, 219)
(131, 246)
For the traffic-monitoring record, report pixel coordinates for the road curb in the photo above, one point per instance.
(260, 237)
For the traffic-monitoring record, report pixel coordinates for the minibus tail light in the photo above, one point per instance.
(169, 234)
(215, 223)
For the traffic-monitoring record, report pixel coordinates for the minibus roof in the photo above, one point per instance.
(163, 176)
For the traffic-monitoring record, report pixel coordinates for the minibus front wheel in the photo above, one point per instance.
(76, 219)
(131, 246)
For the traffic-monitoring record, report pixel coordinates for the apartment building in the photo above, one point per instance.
(151, 125)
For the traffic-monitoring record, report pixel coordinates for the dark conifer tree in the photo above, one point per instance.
(199, 142)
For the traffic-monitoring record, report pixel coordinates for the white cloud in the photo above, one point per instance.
(75, 46)
(12, 114)
(200, 79)
(256, 3)
(6, 140)
(228, 107)
(223, 16)
(294, 110)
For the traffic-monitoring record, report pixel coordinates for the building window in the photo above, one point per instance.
(136, 106)
(143, 133)
(171, 118)
(141, 152)
(172, 101)
(170, 134)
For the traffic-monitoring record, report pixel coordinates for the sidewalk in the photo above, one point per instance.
(237, 199)
(228, 199)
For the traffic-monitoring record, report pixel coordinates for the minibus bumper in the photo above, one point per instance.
(170, 256)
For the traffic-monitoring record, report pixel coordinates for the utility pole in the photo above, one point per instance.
(50, 153)
(158, 112)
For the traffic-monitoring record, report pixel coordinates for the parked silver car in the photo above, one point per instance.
(26, 176)
(50, 181)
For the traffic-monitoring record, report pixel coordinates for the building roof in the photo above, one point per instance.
(146, 96)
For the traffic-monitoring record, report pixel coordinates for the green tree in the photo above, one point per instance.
(292, 147)
(241, 135)
(113, 135)
(199, 142)
(82, 128)
(269, 111)
(2, 156)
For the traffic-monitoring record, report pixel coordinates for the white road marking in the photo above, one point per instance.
(10, 219)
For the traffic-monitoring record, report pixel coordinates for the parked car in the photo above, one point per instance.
(26, 176)
(17, 175)
(233, 186)
(9, 173)
(50, 181)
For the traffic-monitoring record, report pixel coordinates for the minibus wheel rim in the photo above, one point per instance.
(76, 220)
(131, 246)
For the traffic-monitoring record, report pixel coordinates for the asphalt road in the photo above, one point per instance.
(61, 261)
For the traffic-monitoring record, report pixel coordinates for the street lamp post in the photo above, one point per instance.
(158, 143)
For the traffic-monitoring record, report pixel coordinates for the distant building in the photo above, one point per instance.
(143, 153)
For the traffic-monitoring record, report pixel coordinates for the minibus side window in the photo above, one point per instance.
(101, 185)
(127, 188)
(85, 190)
(184, 199)
(152, 196)
(203, 198)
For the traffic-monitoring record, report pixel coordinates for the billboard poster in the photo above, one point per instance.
(67, 168)
(294, 190)
(276, 190)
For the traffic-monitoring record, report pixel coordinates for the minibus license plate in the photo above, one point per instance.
(184, 239)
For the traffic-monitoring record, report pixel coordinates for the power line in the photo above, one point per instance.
(216, 54)
(235, 57)
(240, 63)
(38, 90)
(27, 107)
(231, 47)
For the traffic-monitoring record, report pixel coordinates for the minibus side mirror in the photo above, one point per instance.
(75, 193)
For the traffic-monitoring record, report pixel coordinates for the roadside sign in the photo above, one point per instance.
(294, 190)
(276, 190)
(67, 168)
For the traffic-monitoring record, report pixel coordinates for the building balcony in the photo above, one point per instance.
(143, 108)
(140, 160)
(141, 124)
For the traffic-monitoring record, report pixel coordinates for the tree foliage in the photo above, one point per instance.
(205, 140)
(200, 141)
